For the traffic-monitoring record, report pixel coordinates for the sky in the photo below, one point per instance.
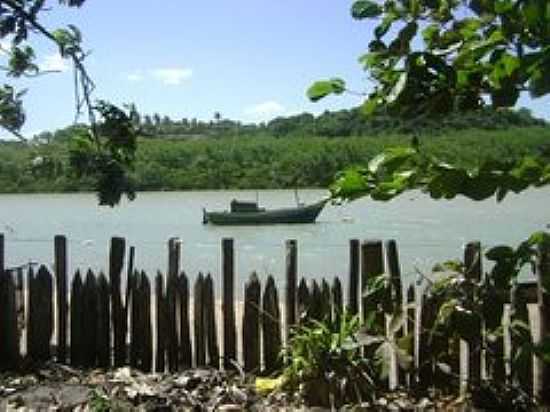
(250, 60)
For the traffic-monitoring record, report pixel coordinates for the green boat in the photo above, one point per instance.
(248, 213)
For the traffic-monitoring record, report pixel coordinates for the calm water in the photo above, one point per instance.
(427, 231)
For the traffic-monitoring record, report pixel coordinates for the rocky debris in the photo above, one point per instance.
(58, 387)
(55, 387)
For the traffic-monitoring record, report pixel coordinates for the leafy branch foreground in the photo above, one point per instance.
(399, 169)
(105, 151)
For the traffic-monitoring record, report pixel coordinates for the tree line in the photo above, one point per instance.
(341, 123)
(263, 159)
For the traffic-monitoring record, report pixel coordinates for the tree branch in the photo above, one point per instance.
(85, 81)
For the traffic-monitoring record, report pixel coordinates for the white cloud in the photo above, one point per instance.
(265, 109)
(54, 62)
(136, 76)
(172, 75)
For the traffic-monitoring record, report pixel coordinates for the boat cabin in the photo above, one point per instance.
(238, 206)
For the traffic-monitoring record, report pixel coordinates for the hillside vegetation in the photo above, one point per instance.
(302, 151)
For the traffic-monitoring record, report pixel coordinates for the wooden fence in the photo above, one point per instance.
(165, 323)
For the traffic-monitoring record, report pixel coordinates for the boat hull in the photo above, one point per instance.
(304, 214)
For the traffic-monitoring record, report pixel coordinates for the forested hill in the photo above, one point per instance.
(304, 150)
(343, 123)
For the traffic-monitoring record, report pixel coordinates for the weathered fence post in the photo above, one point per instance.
(90, 320)
(337, 300)
(315, 301)
(40, 315)
(412, 377)
(326, 307)
(186, 356)
(131, 258)
(171, 323)
(522, 368)
(209, 316)
(302, 300)
(394, 271)
(60, 252)
(161, 323)
(2, 253)
(174, 253)
(271, 326)
(30, 323)
(119, 319)
(251, 324)
(20, 297)
(543, 280)
(134, 312)
(428, 314)
(372, 265)
(145, 317)
(77, 321)
(291, 261)
(354, 268)
(128, 300)
(473, 271)
(103, 322)
(229, 327)
(141, 351)
(9, 338)
(199, 321)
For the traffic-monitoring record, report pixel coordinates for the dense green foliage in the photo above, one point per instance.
(322, 363)
(328, 124)
(250, 161)
(439, 56)
(433, 58)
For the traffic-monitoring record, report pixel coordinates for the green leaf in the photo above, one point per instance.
(397, 322)
(363, 9)
(323, 88)
(504, 6)
(533, 12)
(469, 28)
(539, 83)
(391, 159)
(446, 182)
(500, 252)
(369, 106)
(372, 59)
(363, 338)
(404, 360)
(503, 69)
(21, 62)
(68, 40)
(382, 28)
(383, 358)
(406, 343)
(350, 184)
(539, 238)
(398, 88)
(430, 34)
(407, 33)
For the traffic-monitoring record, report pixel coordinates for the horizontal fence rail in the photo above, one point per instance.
(168, 323)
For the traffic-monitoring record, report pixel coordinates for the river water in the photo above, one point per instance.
(427, 231)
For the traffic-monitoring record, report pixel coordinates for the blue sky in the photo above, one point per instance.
(251, 60)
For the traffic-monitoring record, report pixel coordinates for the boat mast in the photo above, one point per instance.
(296, 197)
